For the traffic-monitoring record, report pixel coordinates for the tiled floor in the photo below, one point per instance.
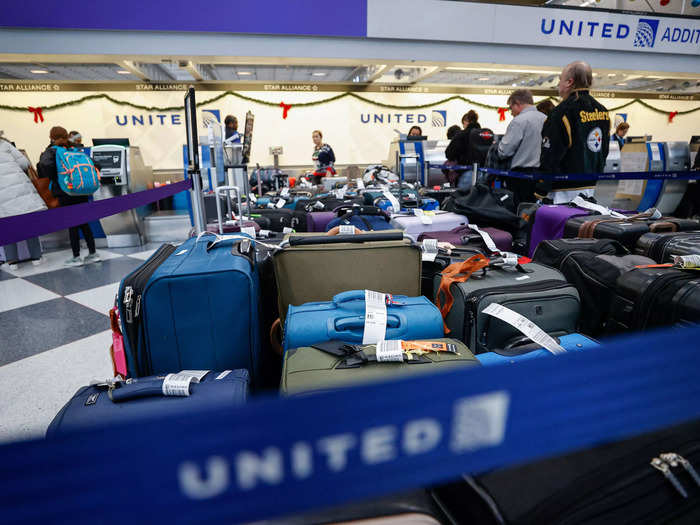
(54, 333)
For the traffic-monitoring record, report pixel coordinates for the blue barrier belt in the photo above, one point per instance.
(275, 457)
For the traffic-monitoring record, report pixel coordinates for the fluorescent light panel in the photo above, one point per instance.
(499, 70)
(38, 71)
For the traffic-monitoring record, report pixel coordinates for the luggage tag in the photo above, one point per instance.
(486, 238)
(424, 219)
(280, 203)
(687, 262)
(253, 198)
(249, 230)
(346, 229)
(264, 234)
(430, 249)
(582, 203)
(287, 230)
(393, 200)
(375, 317)
(397, 350)
(197, 375)
(360, 184)
(525, 326)
(284, 193)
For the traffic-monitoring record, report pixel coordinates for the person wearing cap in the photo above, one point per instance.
(47, 168)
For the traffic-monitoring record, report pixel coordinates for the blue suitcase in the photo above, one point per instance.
(197, 310)
(343, 319)
(515, 354)
(366, 218)
(94, 405)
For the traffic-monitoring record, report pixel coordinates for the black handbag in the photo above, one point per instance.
(486, 206)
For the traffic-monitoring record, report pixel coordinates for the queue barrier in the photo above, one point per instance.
(272, 457)
(28, 225)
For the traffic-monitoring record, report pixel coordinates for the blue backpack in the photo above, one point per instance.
(77, 174)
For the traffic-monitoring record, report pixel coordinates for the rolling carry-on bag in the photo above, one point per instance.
(366, 218)
(466, 236)
(334, 364)
(646, 298)
(316, 221)
(524, 349)
(275, 219)
(431, 269)
(119, 401)
(343, 319)
(438, 193)
(437, 221)
(547, 223)
(663, 247)
(649, 479)
(534, 291)
(193, 307)
(313, 267)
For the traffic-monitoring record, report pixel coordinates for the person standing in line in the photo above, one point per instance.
(17, 196)
(323, 158)
(620, 132)
(75, 139)
(575, 137)
(546, 106)
(457, 151)
(47, 168)
(522, 143)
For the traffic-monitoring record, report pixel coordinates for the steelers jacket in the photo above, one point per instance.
(575, 139)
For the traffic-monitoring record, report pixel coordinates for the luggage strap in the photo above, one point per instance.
(457, 272)
(355, 357)
(116, 350)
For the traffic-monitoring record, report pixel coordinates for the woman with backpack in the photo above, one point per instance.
(458, 150)
(47, 168)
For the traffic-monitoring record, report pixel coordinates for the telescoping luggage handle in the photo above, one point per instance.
(219, 215)
(338, 239)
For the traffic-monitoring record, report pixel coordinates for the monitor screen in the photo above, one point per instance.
(107, 159)
(416, 137)
(111, 142)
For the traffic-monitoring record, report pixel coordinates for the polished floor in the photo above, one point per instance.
(54, 333)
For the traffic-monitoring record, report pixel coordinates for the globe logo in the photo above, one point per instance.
(439, 118)
(646, 33)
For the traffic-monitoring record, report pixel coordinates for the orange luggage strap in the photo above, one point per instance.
(456, 273)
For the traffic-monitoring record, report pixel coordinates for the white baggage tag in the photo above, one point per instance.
(249, 230)
(375, 317)
(583, 203)
(252, 197)
(285, 192)
(430, 249)
(280, 203)
(270, 205)
(393, 200)
(424, 219)
(487, 239)
(223, 374)
(687, 261)
(390, 351)
(197, 375)
(287, 229)
(347, 229)
(655, 214)
(177, 385)
(525, 326)
(264, 234)
(446, 185)
(360, 184)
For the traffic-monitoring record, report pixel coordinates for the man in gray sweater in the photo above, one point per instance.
(522, 142)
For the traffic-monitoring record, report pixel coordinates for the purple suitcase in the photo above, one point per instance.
(464, 235)
(439, 221)
(316, 221)
(548, 223)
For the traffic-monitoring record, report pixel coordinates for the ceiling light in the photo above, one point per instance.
(123, 72)
(500, 70)
(482, 78)
(612, 74)
(514, 85)
(621, 84)
(319, 74)
(244, 73)
(39, 71)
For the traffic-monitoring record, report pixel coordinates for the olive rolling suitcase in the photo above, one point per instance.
(343, 319)
(314, 267)
(193, 307)
(522, 349)
(142, 398)
(663, 247)
(334, 364)
(536, 292)
(646, 298)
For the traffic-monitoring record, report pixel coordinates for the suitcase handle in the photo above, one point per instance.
(357, 324)
(355, 295)
(520, 346)
(338, 239)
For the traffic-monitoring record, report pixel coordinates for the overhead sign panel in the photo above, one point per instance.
(507, 24)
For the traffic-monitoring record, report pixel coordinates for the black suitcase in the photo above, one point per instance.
(662, 247)
(651, 297)
(430, 269)
(610, 484)
(279, 219)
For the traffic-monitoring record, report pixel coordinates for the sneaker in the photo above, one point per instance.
(13, 266)
(92, 258)
(37, 262)
(73, 261)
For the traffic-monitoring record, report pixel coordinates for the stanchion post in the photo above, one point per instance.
(475, 173)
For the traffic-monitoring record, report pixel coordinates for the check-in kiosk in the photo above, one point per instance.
(412, 154)
(605, 190)
(122, 171)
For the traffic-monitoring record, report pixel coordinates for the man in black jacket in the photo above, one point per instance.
(46, 168)
(457, 151)
(576, 136)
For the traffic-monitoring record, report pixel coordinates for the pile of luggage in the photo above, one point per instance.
(317, 288)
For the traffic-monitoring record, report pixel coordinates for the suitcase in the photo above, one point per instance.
(612, 483)
(547, 222)
(410, 197)
(334, 364)
(430, 269)
(438, 221)
(229, 227)
(627, 232)
(465, 236)
(316, 221)
(366, 218)
(343, 319)
(313, 267)
(646, 298)
(193, 307)
(93, 405)
(277, 219)
(537, 292)
(663, 247)
(486, 206)
(437, 193)
(523, 350)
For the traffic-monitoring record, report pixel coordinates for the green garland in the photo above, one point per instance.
(313, 103)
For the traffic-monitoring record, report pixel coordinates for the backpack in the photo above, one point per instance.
(77, 174)
(480, 141)
(493, 160)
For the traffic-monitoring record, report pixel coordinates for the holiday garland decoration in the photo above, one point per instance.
(502, 114)
(285, 109)
(37, 111)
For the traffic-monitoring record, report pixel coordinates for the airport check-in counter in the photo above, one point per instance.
(412, 169)
(122, 171)
(605, 190)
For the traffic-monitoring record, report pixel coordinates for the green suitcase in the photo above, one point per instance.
(309, 369)
(315, 267)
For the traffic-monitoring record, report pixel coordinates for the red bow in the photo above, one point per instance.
(285, 109)
(671, 116)
(502, 114)
(37, 114)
